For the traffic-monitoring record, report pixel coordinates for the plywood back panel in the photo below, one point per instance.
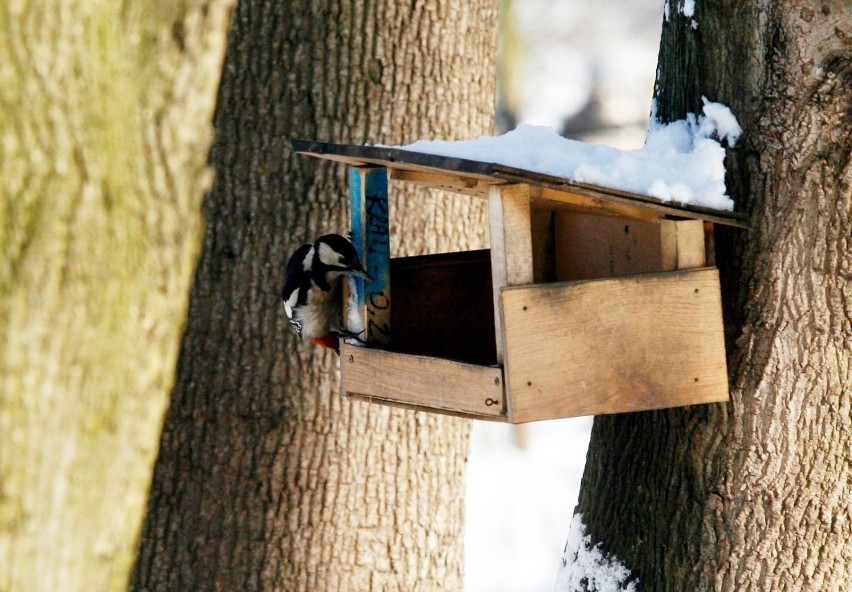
(591, 246)
(610, 346)
(423, 382)
(443, 306)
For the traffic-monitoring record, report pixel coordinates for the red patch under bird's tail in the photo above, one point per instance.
(329, 340)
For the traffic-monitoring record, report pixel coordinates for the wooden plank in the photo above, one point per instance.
(467, 185)
(615, 345)
(682, 244)
(368, 195)
(568, 200)
(510, 227)
(590, 247)
(425, 383)
(391, 157)
(413, 407)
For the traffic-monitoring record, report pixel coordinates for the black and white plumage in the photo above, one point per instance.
(313, 288)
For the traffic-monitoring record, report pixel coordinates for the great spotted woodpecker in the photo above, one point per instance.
(313, 288)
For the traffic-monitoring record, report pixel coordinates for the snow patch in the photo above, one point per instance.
(688, 11)
(588, 568)
(724, 125)
(681, 161)
(522, 486)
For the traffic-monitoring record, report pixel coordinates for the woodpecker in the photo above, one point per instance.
(313, 288)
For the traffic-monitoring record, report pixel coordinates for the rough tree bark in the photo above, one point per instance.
(267, 479)
(105, 114)
(754, 494)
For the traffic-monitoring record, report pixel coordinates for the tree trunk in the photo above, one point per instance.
(105, 115)
(754, 494)
(267, 479)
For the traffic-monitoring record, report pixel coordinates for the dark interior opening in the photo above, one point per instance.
(442, 306)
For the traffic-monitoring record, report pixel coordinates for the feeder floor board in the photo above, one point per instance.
(420, 382)
(614, 345)
(474, 178)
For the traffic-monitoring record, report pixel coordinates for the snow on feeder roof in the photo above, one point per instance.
(679, 171)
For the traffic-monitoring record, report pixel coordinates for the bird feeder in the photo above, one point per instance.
(590, 300)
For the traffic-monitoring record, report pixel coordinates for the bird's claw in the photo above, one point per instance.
(352, 338)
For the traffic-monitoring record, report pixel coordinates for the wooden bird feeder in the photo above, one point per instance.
(590, 300)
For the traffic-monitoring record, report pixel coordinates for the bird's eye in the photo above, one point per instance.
(341, 259)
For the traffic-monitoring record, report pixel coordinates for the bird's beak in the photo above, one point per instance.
(360, 272)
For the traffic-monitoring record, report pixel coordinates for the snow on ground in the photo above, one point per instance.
(523, 483)
(589, 568)
(681, 161)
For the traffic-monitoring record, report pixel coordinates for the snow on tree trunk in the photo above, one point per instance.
(267, 479)
(105, 123)
(754, 494)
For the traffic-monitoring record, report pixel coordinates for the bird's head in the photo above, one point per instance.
(336, 256)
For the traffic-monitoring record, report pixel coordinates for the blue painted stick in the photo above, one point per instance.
(368, 196)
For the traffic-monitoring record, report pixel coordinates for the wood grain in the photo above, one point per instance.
(585, 203)
(594, 246)
(590, 247)
(510, 227)
(468, 185)
(683, 245)
(423, 382)
(616, 345)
